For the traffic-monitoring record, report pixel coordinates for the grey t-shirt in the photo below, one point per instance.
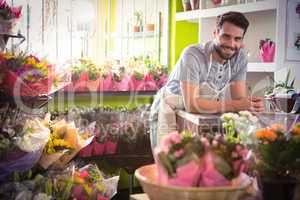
(193, 67)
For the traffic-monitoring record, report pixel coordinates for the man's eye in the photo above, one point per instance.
(226, 37)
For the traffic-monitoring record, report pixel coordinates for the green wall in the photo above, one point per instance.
(182, 33)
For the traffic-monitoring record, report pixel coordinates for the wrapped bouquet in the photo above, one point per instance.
(21, 145)
(25, 75)
(64, 143)
(8, 17)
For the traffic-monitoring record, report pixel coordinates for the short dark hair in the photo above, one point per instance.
(235, 18)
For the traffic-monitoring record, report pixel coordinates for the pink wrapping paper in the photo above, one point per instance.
(123, 85)
(107, 83)
(150, 84)
(14, 85)
(98, 148)
(93, 85)
(162, 80)
(136, 85)
(86, 151)
(210, 176)
(267, 52)
(110, 147)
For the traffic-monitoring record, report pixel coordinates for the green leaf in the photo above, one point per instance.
(287, 78)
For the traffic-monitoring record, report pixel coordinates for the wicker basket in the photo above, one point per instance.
(147, 178)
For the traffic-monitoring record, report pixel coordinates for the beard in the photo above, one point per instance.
(221, 52)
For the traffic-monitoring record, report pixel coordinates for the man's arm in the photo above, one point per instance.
(193, 102)
(238, 89)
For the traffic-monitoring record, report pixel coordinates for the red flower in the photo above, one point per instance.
(16, 11)
(84, 174)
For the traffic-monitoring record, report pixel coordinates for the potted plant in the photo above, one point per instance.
(195, 4)
(186, 5)
(278, 161)
(138, 21)
(282, 95)
(93, 74)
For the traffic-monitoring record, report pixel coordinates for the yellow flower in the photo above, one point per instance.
(8, 55)
(30, 61)
(296, 129)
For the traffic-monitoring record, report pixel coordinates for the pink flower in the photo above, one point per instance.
(168, 140)
(16, 11)
(84, 174)
(2, 4)
(179, 153)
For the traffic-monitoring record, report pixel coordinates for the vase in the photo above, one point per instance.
(278, 188)
(195, 4)
(186, 5)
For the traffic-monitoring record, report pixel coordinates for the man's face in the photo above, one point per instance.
(229, 40)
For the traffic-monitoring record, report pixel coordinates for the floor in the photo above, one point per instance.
(124, 193)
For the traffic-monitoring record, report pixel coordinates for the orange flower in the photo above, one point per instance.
(267, 134)
(296, 129)
(275, 127)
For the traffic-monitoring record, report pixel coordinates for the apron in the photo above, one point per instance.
(170, 103)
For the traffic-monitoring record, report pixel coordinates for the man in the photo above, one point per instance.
(201, 76)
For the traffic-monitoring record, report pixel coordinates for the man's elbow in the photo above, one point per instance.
(189, 107)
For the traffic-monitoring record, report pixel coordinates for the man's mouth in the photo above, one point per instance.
(226, 48)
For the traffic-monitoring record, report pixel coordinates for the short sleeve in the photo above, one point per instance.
(190, 66)
(241, 68)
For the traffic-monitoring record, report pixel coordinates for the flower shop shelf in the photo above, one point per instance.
(137, 35)
(32, 101)
(111, 93)
(213, 12)
(261, 67)
(129, 162)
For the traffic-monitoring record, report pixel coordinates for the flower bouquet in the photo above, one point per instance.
(278, 160)
(21, 145)
(267, 50)
(200, 162)
(25, 75)
(64, 143)
(8, 18)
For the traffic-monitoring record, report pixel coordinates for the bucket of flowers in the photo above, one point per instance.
(25, 75)
(278, 160)
(8, 18)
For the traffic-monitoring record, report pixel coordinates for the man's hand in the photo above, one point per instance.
(257, 104)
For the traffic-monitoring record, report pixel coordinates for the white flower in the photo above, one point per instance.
(229, 116)
(42, 196)
(35, 136)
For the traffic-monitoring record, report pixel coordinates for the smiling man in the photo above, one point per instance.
(201, 76)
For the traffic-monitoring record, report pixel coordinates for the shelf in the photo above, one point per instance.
(213, 12)
(261, 67)
(111, 93)
(137, 35)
